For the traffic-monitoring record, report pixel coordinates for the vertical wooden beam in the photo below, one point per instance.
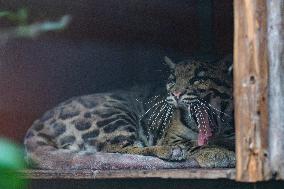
(276, 85)
(250, 90)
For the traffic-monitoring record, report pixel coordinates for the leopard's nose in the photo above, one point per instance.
(177, 94)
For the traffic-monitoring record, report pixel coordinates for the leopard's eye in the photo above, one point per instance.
(201, 74)
(171, 83)
(171, 79)
(199, 82)
(196, 82)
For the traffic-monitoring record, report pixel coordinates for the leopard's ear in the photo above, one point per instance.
(169, 62)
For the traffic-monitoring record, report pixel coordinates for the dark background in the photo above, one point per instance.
(109, 44)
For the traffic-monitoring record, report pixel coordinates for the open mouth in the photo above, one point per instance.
(203, 121)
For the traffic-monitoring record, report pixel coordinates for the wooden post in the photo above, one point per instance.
(250, 90)
(276, 85)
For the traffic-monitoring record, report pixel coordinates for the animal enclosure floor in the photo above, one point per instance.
(130, 174)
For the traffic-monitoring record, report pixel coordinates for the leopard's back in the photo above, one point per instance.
(88, 123)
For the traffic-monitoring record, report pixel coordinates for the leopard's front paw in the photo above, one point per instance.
(172, 153)
(213, 157)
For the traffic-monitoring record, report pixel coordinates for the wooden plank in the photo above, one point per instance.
(250, 90)
(276, 87)
(133, 174)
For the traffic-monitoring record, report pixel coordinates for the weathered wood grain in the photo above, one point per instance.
(276, 85)
(132, 174)
(250, 90)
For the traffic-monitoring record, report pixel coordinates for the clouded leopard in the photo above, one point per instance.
(188, 123)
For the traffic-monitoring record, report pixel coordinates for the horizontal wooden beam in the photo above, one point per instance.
(251, 90)
(130, 174)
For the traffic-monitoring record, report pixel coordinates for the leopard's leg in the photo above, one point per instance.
(212, 156)
(169, 153)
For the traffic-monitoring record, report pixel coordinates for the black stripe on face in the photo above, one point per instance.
(200, 69)
(114, 125)
(170, 100)
(207, 98)
(215, 80)
(171, 79)
(214, 121)
(190, 96)
(218, 93)
(220, 82)
(82, 125)
(67, 140)
(91, 134)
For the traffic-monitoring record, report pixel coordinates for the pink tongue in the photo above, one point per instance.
(204, 128)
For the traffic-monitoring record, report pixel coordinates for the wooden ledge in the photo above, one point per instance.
(132, 174)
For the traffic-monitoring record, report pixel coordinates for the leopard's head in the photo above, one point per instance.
(194, 87)
(189, 82)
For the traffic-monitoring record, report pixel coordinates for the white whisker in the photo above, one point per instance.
(154, 122)
(156, 104)
(153, 114)
(152, 99)
(211, 106)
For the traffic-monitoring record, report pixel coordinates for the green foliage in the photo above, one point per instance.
(11, 160)
(19, 17)
(23, 29)
(34, 30)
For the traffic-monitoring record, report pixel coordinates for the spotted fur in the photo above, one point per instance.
(148, 121)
